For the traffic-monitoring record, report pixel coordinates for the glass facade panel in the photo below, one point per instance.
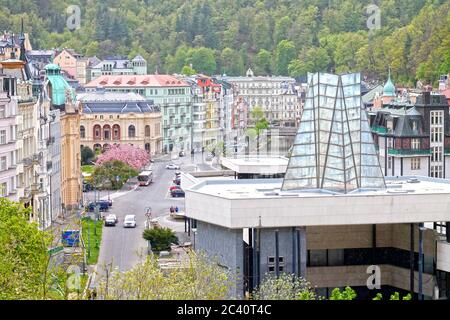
(341, 148)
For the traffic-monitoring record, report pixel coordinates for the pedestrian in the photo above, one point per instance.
(176, 209)
(172, 210)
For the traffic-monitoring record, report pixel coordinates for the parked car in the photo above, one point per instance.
(111, 220)
(172, 166)
(177, 193)
(103, 205)
(129, 221)
(177, 181)
(177, 173)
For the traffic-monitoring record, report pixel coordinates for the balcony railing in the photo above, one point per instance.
(409, 152)
(379, 129)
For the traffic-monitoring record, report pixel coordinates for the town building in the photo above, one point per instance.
(75, 65)
(120, 118)
(212, 109)
(60, 96)
(277, 97)
(118, 66)
(10, 44)
(411, 135)
(334, 219)
(172, 95)
(9, 136)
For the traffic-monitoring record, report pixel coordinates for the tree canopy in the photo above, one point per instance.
(279, 37)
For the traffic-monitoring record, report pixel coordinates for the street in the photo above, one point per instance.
(120, 246)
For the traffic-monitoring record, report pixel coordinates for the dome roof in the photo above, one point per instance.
(389, 87)
(52, 66)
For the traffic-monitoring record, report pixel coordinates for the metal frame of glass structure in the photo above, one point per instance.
(334, 148)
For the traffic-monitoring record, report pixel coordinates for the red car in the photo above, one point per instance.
(174, 188)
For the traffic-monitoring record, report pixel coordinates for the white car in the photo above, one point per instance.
(129, 221)
(111, 220)
(172, 166)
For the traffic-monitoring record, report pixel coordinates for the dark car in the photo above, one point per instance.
(177, 181)
(103, 206)
(177, 193)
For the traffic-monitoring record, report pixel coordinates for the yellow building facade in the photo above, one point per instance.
(62, 97)
(120, 118)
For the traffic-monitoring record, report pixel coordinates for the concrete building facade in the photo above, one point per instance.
(334, 215)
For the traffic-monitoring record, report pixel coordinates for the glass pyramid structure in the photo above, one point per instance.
(334, 148)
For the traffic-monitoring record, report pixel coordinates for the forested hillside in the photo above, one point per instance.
(271, 36)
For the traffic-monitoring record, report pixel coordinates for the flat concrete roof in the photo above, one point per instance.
(271, 188)
(260, 202)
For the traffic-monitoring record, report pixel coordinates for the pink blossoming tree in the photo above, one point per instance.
(131, 155)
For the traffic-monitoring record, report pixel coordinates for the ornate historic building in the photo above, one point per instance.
(120, 118)
(118, 66)
(172, 95)
(61, 96)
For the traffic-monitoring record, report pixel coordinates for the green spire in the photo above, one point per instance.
(389, 87)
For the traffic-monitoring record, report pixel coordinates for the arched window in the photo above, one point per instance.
(147, 131)
(131, 131)
(82, 132)
(106, 132)
(116, 132)
(97, 132)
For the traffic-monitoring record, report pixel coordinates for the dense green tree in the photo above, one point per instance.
(284, 54)
(263, 62)
(188, 71)
(23, 254)
(231, 62)
(87, 155)
(310, 60)
(202, 59)
(412, 38)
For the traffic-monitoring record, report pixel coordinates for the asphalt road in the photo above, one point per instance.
(121, 246)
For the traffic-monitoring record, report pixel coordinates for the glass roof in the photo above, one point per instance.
(334, 148)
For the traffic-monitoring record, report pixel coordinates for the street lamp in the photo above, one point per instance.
(148, 214)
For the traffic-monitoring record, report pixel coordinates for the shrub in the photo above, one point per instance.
(160, 238)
